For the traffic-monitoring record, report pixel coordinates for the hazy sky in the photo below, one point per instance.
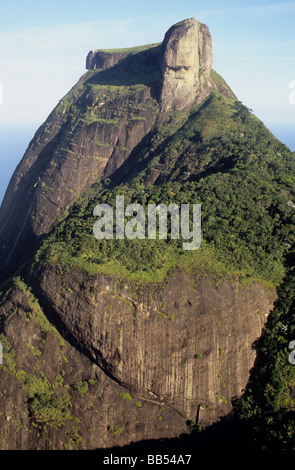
(43, 47)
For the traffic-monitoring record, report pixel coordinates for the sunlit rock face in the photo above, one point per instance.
(186, 64)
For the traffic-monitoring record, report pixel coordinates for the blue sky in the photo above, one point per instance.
(43, 47)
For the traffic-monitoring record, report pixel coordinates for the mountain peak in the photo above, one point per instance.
(187, 63)
(184, 60)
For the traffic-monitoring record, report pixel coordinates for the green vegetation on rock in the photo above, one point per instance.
(247, 219)
(267, 409)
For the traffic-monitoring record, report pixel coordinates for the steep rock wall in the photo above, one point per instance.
(186, 344)
(54, 397)
(103, 60)
(185, 62)
(96, 127)
(76, 146)
(186, 66)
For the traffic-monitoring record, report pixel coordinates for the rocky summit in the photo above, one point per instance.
(184, 60)
(116, 342)
(186, 65)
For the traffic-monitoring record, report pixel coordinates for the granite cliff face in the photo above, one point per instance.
(186, 343)
(54, 397)
(103, 60)
(186, 65)
(101, 362)
(185, 61)
(67, 156)
(94, 358)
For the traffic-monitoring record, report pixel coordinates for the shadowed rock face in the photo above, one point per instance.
(187, 62)
(67, 155)
(103, 415)
(103, 60)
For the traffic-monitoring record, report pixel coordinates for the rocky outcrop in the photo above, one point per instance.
(54, 397)
(124, 362)
(102, 360)
(186, 65)
(96, 128)
(200, 333)
(185, 62)
(103, 59)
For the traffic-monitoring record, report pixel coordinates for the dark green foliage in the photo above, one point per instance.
(244, 183)
(267, 408)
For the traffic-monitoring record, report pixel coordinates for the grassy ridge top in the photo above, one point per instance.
(129, 50)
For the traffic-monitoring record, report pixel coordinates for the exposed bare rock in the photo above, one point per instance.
(125, 362)
(103, 60)
(54, 397)
(93, 361)
(68, 154)
(187, 62)
(186, 343)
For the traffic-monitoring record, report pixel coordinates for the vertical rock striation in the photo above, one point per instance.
(185, 343)
(186, 64)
